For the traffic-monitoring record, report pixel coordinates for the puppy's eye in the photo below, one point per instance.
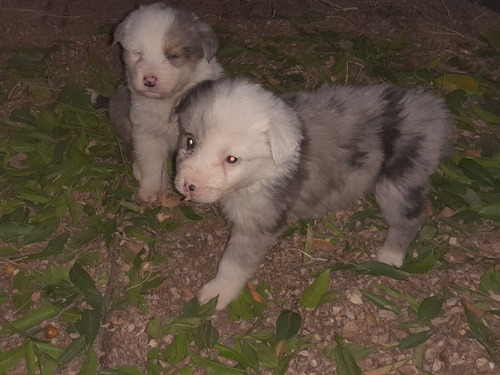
(232, 159)
(172, 56)
(190, 143)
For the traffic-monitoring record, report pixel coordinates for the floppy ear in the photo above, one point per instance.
(285, 137)
(120, 31)
(208, 41)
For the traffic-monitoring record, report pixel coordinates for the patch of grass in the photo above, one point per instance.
(63, 187)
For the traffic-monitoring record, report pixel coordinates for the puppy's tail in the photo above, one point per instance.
(98, 101)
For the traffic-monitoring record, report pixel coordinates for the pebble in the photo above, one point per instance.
(436, 366)
(355, 297)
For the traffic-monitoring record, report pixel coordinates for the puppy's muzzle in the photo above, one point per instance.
(189, 188)
(150, 81)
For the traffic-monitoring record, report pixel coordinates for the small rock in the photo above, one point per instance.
(436, 366)
(355, 297)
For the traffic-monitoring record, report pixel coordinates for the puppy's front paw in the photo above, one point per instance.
(227, 290)
(148, 195)
(390, 256)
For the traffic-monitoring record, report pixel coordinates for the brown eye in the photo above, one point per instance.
(172, 56)
(232, 159)
(190, 143)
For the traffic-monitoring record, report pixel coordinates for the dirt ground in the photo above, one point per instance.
(193, 251)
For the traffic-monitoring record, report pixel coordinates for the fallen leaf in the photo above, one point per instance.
(16, 161)
(134, 246)
(387, 369)
(322, 244)
(475, 309)
(170, 200)
(188, 292)
(255, 295)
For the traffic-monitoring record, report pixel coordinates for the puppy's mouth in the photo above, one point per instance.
(150, 93)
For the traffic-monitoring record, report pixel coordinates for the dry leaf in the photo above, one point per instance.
(188, 292)
(170, 200)
(16, 161)
(133, 246)
(322, 244)
(255, 295)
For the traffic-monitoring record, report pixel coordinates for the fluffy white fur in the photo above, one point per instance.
(267, 159)
(166, 52)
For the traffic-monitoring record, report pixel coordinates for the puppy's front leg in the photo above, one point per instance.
(150, 166)
(243, 255)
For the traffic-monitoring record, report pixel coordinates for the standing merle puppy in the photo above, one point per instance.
(267, 159)
(166, 52)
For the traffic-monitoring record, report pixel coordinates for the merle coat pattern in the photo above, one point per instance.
(267, 159)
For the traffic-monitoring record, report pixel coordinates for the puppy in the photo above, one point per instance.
(267, 159)
(166, 52)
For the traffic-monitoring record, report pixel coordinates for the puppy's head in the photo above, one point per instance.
(237, 137)
(166, 51)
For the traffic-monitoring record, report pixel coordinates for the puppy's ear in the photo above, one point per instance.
(208, 41)
(120, 32)
(285, 137)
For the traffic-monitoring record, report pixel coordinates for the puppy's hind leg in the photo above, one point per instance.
(403, 208)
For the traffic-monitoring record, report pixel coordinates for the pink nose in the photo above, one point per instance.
(189, 187)
(150, 81)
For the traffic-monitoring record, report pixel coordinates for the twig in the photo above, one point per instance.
(109, 295)
(15, 264)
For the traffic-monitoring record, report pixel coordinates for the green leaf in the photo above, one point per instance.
(489, 117)
(373, 268)
(490, 280)
(312, 295)
(380, 301)
(235, 356)
(479, 329)
(121, 370)
(346, 364)
(420, 266)
(89, 366)
(177, 350)
(179, 326)
(207, 310)
(266, 355)
(156, 328)
(54, 247)
(42, 230)
(85, 284)
(30, 358)
(415, 339)
(91, 323)
(213, 367)
(12, 357)
(359, 352)
(391, 292)
(31, 319)
(477, 172)
(73, 350)
(450, 82)
(430, 308)
(287, 325)
(206, 336)
(189, 213)
(245, 307)
(491, 212)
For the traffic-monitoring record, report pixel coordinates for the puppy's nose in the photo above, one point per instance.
(189, 187)
(150, 81)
